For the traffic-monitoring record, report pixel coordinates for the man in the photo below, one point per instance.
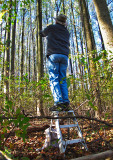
(57, 54)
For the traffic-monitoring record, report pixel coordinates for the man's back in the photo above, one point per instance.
(58, 39)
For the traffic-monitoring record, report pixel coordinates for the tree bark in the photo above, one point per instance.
(13, 45)
(2, 72)
(63, 3)
(13, 53)
(7, 53)
(33, 49)
(29, 70)
(87, 26)
(22, 43)
(105, 24)
(39, 54)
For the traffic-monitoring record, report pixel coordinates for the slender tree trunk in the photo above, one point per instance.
(29, 60)
(1, 40)
(112, 106)
(18, 51)
(13, 45)
(1, 56)
(76, 42)
(75, 63)
(34, 58)
(63, 3)
(27, 73)
(33, 48)
(52, 12)
(82, 66)
(13, 53)
(22, 44)
(3, 61)
(7, 53)
(40, 53)
(58, 4)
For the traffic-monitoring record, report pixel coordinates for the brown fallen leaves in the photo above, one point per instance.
(98, 137)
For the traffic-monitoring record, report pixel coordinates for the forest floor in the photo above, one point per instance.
(99, 138)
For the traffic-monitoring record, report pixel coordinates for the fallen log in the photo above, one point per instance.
(37, 129)
(65, 117)
(29, 130)
(102, 156)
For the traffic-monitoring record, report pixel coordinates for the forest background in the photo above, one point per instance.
(24, 84)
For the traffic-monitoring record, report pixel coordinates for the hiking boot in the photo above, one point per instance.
(66, 106)
(57, 107)
(61, 107)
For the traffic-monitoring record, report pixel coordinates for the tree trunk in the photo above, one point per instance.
(92, 54)
(33, 49)
(76, 42)
(39, 54)
(13, 45)
(34, 58)
(105, 24)
(1, 83)
(63, 3)
(18, 51)
(13, 52)
(7, 53)
(22, 43)
(2, 72)
(29, 70)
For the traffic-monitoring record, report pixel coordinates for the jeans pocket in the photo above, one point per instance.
(58, 58)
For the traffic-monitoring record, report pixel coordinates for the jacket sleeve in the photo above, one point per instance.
(46, 31)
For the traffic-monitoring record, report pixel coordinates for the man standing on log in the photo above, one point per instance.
(57, 54)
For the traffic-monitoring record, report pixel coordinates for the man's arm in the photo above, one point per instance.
(45, 32)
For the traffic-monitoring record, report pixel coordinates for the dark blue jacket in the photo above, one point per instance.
(57, 39)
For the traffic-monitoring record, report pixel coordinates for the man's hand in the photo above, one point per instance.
(41, 34)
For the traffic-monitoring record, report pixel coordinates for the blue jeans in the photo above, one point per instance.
(57, 66)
